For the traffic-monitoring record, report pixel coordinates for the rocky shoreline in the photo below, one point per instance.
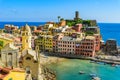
(47, 73)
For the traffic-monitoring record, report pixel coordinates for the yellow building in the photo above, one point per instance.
(68, 33)
(5, 41)
(40, 42)
(45, 43)
(48, 42)
(29, 59)
(15, 75)
(26, 37)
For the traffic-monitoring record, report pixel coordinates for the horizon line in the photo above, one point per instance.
(53, 21)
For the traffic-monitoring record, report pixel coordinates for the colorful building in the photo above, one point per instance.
(97, 42)
(9, 55)
(45, 43)
(26, 37)
(78, 27)
(29, 59)
(85, 47)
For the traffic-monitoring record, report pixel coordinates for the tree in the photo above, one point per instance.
(59, 18)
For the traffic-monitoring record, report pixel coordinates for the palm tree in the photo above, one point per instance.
(59, 18)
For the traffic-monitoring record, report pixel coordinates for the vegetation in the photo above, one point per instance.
(90, 33)
(73, 22)
(1, 43)
(84, 22)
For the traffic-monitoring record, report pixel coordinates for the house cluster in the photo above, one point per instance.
(68, 40)
(17, 52)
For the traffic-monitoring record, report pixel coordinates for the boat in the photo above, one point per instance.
(113, 65)
(117, 66)
(96, 78)
(81, 72)
(93, 75)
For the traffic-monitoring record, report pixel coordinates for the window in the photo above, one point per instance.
(28, 58)
(9, 53)
(27, 41)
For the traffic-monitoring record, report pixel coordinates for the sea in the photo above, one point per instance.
(69, 69)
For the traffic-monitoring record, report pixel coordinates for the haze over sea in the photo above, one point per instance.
(108, 30)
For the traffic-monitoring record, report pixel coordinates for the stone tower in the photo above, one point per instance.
(26, 37)
(76, 15)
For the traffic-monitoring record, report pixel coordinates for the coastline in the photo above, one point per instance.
(105, 58)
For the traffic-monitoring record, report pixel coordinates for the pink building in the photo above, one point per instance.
(86, 47)
(66, 45)
(78, 27)
(17, 42)
(71, 45)
(33, 42)
(55, 42)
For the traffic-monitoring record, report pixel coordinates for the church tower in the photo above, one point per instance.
(26, 37)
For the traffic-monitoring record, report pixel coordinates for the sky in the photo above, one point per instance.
(48, 10)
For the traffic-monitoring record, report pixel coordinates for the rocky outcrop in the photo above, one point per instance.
(110, 47)
(48, 74)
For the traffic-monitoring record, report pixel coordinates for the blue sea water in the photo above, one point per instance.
(19, 24)
(110, 31)
(69, 70)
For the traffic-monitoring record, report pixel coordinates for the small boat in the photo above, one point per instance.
(93, 75)
(95, 78)
(117, 66)
(81, 72)
(113, 65)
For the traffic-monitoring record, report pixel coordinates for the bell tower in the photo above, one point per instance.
(26, 37)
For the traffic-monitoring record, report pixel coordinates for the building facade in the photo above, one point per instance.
(29, 57)
(85, 47)
(9, 55)
(26, 37)
(45, 43)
